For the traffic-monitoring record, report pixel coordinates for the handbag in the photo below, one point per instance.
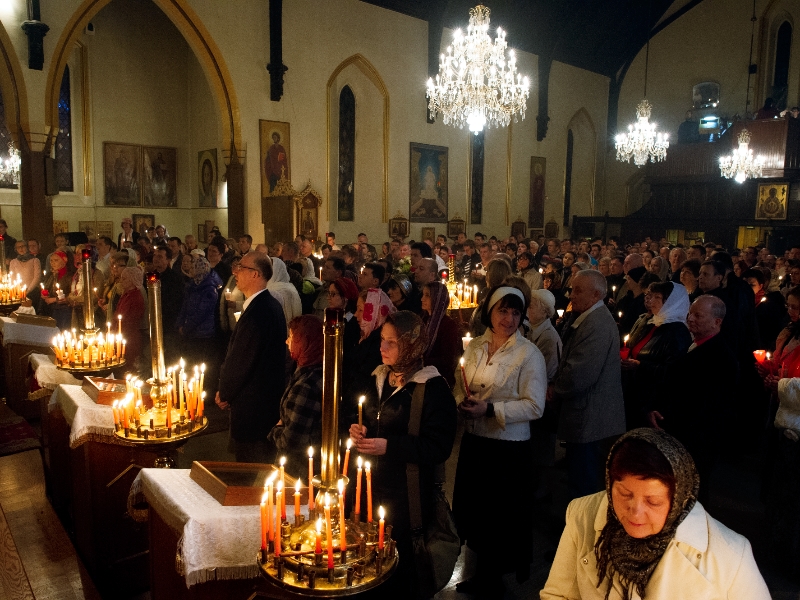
(437, 545)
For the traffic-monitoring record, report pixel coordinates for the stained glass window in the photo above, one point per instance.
(347, 154)
(64, 137)
(5, 138)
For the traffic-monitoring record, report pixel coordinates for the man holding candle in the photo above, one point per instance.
(588, 385)
(252, 377)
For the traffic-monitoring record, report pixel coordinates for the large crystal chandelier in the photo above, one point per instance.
(476, 84)
(741, 164)
(642, 140)
(9, 168)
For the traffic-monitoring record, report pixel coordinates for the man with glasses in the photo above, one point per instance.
(252, 378)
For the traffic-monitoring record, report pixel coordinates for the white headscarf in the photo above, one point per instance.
(675, 308)
(283, 291)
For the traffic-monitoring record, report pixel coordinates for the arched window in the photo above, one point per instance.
(780, 76)
(568, 176)
(347, 154)
(64, 137)
(5, 139)
(477, 143)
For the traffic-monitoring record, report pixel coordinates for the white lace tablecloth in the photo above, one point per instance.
(46, 373)
(216, 542)
(28, 335)
(85, 418)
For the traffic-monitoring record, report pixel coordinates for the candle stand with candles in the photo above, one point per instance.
(327, 555)
(462, 296)
(175, 410)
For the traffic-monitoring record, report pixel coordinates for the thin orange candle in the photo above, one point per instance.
(119, 329)
(381, 523)
(297, 501)
(264, 522)
(283, 485)
(116, 414)
(278, 521)
(361, 411)
(358, 489)
(347, 456)
(369, 492)
(342, 530)
(318, 546)
(329, 530)
(310, 480)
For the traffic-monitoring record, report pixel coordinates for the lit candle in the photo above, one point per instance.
(619, 314)
(465, 341)
(270, 529)
(369, 492)
(328, 530)
(278, 520)
(116, 414)
(119, 320)
(474, 294)
(297, 502)
(464, 377)
(202, 376)
(318, 545)
(264, 522)
(347, 456)
(613, 289)
(310, 480)
(361, 411)
(761, 355)
(560, 312)
(342, 530)
(381, 523)
(358, 489)
(283, 484)
(625, 340)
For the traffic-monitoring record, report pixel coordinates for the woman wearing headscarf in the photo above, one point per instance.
(195, 322)
(57, 280)
(385, 442)
(131, 307)
(501, 388)
(658, 338)
(343, 294)
(401, 292)
(281, 288)
(444, 338)
(301, 405)
(646, 536)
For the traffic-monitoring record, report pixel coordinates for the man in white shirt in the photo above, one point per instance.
(104, 255)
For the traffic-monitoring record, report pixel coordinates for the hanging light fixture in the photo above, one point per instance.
(741, 164)
(476, 85)
(9, 167)
(642, 142)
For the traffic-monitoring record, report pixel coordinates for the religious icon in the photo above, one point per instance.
(772, 198)
(275, 154)
(428, 184)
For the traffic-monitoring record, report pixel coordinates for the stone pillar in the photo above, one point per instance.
(37, 209)
(234, 175)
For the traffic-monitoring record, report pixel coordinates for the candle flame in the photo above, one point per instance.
(626, 338)
(359, 462)
(272, 477)
(361, 399)
(264, 498)
(279, 487)
(461, 361)
(381, 512)
(319, 526)
(310, 452)
(366, 465)
(340, 485)
(282, 461)
(349, 443)
(297, 485)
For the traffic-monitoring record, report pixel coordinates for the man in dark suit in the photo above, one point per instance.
(252, 378)
(700, 385)
(587, 386)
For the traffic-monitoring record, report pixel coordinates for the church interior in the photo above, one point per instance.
(170, 112)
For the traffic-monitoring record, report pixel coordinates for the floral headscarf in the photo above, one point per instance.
(133, 276)
(200, 268)
(411, 341)
(377, 307)
(632, 559)
(440, 299)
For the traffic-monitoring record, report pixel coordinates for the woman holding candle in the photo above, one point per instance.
(29, 270)
(131, 307)
(196, 326)
(301, 405)
(787, 347)
(658, 338)
(632, 304)
(58, 278)
(444, 338)
(507, 381)
(386, 443)
(646, 536)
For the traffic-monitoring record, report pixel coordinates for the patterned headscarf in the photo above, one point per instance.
(200, 268)
(377, 307)
(411, 342)
(62, 271)
(632, 559)
(440, 298)
(133, 276)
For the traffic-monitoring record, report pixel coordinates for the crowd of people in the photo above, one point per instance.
(577, 342)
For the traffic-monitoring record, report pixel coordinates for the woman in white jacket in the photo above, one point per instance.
(500, 389)
(646, 537)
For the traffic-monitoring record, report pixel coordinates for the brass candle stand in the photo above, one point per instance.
(361, 565)
(461, 296)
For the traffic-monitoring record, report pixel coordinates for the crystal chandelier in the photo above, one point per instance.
(642, 141)
(476, 84)
(9, 168)
(741, 164)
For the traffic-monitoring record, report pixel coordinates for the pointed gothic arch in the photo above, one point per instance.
(371, 73)
(197, 37)
(584, 161)
(12, 87)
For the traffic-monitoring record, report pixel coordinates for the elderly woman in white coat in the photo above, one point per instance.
(281, 288)
(501, 388)
(646, 536)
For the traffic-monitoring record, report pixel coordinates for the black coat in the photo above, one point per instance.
(171, 299)
(252, 378)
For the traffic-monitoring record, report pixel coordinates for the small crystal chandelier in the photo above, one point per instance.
(642, 141)
(741, 164)
(9, 168)
(476, 84)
